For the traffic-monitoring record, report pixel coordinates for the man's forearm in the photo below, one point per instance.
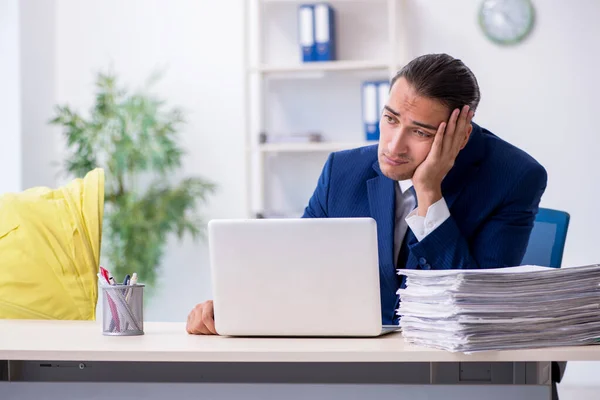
(426, 198)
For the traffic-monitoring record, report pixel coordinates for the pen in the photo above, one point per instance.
(114, 323)
(104, 274)
(111, 279)
(125, 283)
(132, 281)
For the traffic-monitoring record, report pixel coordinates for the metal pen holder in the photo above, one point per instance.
(123, 310)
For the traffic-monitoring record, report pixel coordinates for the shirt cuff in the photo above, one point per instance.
(437, 213)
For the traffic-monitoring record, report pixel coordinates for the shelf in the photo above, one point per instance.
(274, 75)
(323, 66)
(310, 147)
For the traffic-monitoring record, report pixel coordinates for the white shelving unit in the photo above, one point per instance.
(308, 147)
(368, 47)
(324, 66)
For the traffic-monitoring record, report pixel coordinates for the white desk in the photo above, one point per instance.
(168, 342)
(76, 351)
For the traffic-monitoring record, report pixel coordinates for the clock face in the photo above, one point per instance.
(506, 21)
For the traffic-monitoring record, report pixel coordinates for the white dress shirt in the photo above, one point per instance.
(406, 215)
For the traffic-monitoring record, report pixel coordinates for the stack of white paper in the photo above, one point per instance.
(503, 308)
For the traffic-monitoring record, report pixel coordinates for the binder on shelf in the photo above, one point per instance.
(370, 112)
(306, 32)
(383, 92)
(324, 32)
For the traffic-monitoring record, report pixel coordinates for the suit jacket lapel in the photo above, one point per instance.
(382, 202)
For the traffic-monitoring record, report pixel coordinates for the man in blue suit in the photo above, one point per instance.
(445, 192)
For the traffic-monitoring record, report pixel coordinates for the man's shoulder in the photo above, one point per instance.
(356, 159)
(353, 165)
(504, 157)
(502, 151)
(366, 154)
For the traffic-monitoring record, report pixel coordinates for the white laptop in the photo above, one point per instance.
(296, 277)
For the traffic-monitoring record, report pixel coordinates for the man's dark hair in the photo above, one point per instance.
(444, 78)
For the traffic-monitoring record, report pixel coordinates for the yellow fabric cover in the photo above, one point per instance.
(50, 250)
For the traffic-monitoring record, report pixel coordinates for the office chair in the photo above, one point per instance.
(545, 248)
(547, 240)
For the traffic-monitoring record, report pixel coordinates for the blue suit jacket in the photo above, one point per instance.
(493, 192)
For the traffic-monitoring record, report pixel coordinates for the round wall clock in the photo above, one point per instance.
(506, 21)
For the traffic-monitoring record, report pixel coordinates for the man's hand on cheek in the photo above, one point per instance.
(448, 141)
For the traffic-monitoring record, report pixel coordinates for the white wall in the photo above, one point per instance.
(10, 109)
(182, 37)
(38, 82)
(539, 95)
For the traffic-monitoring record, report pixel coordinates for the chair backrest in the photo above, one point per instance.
(547, 240)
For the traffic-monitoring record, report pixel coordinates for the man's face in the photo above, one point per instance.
(407, 127)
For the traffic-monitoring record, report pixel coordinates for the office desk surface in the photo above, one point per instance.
(168, 342)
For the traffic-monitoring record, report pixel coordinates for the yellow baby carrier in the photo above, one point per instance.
(50, 250)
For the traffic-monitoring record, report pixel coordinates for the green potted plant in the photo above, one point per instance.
(135, 139)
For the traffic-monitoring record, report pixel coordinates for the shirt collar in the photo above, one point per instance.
(405, 185)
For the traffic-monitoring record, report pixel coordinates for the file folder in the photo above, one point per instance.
(383, 92)
(370, 110)
(324, 32)
(306, 32)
